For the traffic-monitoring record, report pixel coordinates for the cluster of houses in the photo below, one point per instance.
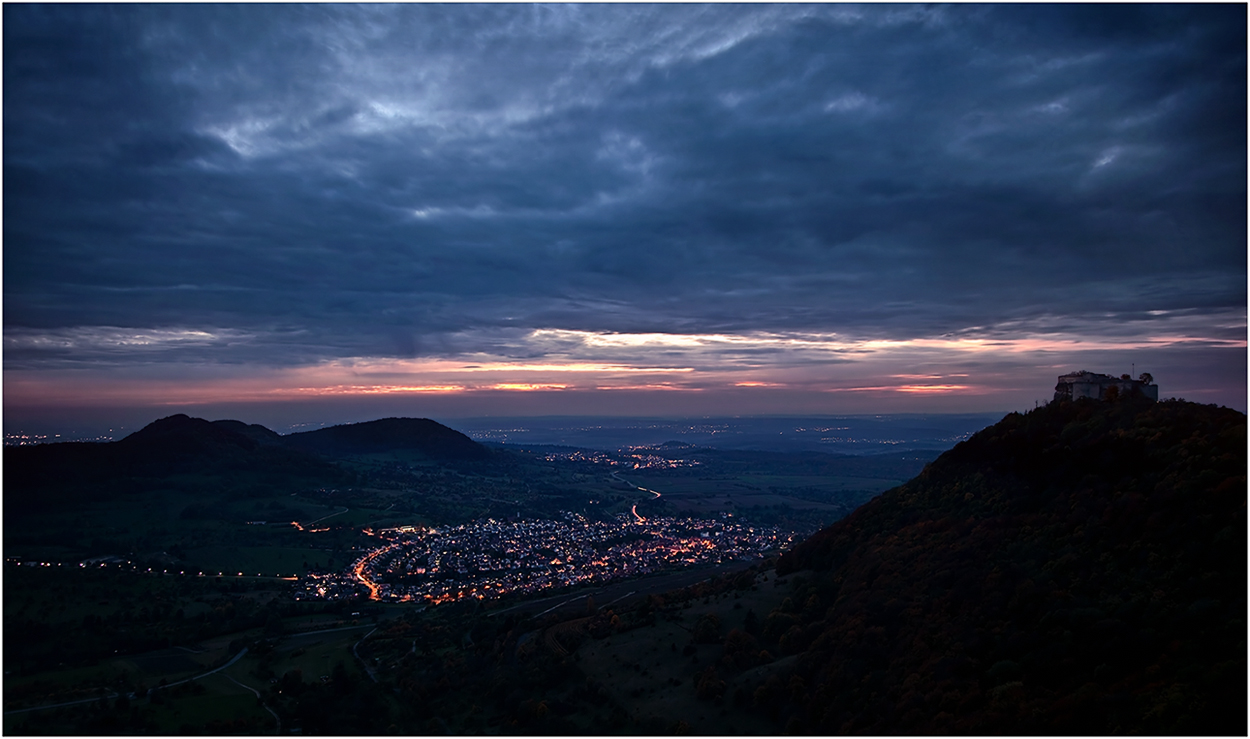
(490, 558)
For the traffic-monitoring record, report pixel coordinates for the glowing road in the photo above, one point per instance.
(634, 508)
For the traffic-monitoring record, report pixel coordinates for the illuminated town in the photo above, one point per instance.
(490, 558)
(638, 458)
(21, 438)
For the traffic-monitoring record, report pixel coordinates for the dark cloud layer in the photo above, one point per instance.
(280, 184)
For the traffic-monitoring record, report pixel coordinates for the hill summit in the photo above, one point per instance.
(389, 434)
(1080, 568)
(217, 456)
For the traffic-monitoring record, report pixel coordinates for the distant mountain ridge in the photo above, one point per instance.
(173, 452)
(389, 434)
(218, 454)
(1076, 569)
(181, 438)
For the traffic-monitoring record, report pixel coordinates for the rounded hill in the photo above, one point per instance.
(1077, 569)
(421, 435)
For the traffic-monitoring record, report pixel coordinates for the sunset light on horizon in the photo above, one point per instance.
(520, 210)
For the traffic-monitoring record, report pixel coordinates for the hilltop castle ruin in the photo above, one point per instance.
(1085, 384)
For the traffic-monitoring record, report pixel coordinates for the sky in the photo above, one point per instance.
(306, 213)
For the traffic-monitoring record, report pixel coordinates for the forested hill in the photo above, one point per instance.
(177, 452)
(228, 457)
(1077, 569)
(389, 434)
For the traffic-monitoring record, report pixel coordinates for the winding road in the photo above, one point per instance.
(234, 659)
(634, 508)
(262, 701)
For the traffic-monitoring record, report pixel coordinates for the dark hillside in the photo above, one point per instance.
(177, 441)
(179, 451)
(422, 435)
(253, 431)
(1077, 569)
(181, 445)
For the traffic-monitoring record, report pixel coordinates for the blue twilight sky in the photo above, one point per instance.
(298, 213)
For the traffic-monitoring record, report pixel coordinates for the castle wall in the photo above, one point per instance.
(1077, 385)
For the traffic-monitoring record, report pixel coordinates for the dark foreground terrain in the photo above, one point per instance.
(1079, 569)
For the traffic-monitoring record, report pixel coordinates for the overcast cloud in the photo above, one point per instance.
(285, 190)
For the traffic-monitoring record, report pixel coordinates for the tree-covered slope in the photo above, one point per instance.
(219, 456)
(421, 435)
(180, 452)
(1077, 569)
